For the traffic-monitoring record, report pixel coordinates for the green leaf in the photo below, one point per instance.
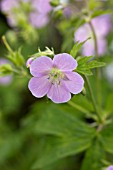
(84, 60)
(94, 64)
(19, 58)
(106, 138)
(57, 148)
(93, 157)
(10, 145)
(109, 103)
(16, 58)
(72, 136)
(85, 65)
(85, 72)
(93, 4)
(77, 47)
(97, 13)
(61, 124)
(83, 101)
(38, 109)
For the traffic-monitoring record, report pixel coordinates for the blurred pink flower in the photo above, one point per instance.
(7, 7)
(6, 79)
(38, 16)
(102, 26)
(67, 12)
(110, 167)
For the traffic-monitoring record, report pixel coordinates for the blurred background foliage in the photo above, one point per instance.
(26, 144)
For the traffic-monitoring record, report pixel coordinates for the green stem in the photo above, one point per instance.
(7, 45)
(22, 73)
(81, 109)
(93, 99)
(98, 86)
(95, 39)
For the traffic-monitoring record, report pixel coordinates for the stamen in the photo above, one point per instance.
(55, 76)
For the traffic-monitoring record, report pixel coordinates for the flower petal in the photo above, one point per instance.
(5, 80)
(102, 46)
(42, 6)
(64, 62)
(82, 33)
(88, 48)
(102, 25)
(110, 167)
(59, 94)
(39, 86)
(74, 82)
(38, 20)
(40, 66)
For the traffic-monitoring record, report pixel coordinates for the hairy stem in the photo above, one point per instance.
(82, 109)
(98, 86)
(95, 39)
(7, 45)
(93, 99)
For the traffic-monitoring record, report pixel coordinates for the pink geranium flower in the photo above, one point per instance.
(102, 26)
(55, 78)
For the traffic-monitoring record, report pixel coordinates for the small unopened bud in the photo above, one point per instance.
(6, 69)
(83, 91)
(54, 3)
(29, 61)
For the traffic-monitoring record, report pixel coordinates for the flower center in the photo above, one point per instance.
(55, 76)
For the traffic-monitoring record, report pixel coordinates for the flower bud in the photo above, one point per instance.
(29, 61)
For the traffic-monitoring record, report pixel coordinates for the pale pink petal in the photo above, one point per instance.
(102, 25)
(40, 66)
(59, 94)
(67, 12)
(64, 62)
(101, 46)
(6, 80)
(39, 87)
(82, 33)
(110, 167)
(38, 20)
(11, 20)
(42, 6)
(8, 5)
(74, 82)
(88, 48)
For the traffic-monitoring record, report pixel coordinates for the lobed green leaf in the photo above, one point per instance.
(106, 138)
(77, 46)
(93, 157)
(85, 64)
(68, 136)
